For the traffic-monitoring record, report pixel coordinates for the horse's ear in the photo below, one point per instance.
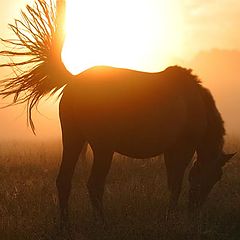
(227, 157)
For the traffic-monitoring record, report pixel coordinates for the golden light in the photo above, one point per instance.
(137, 34)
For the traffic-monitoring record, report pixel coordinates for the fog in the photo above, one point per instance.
(218, 70)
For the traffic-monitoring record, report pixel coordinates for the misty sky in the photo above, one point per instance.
(212, 24)
(203, 25)
(206, 24)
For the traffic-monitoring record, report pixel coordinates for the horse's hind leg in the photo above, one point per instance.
(71, 150)
(176, 160)
(100, 168)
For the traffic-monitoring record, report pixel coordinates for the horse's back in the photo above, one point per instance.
(135, 112)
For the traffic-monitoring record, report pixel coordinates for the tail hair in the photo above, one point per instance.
(38, 44)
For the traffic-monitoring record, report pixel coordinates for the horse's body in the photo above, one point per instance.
(139, 115)
(133, 113)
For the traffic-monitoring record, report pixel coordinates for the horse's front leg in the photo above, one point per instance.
(176, 161)
(71, 151)
(100, 168)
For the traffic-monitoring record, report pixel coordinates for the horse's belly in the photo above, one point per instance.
(141, 137)
(141, 149)
(146, 144)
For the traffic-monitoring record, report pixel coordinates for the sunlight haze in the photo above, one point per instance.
(122, 33)
(147, 35)
(119, 119)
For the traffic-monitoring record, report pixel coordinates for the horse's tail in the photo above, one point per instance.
(35, 55)
(215, 131)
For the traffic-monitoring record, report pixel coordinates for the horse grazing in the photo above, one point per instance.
(137, 114)
(141, 115)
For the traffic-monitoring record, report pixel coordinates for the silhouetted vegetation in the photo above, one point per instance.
(136, 198)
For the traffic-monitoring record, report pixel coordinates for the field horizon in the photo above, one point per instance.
(135, 199)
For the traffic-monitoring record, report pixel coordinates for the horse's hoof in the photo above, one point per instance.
(100, 221)
(171, 215)
(64, 222)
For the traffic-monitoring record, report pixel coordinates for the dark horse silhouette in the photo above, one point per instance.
(134, 113)
(141, 115)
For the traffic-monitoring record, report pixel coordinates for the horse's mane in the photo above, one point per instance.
(216, 130)
(182, 75)
(184, 78)
(38, 44)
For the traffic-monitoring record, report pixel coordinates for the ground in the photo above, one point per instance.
(135, 198)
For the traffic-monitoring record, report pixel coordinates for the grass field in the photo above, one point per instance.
(135, 198)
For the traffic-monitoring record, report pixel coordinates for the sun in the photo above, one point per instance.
(135, 34)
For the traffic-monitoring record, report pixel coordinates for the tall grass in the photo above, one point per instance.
(135, 198)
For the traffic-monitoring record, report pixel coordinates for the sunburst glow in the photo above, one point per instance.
(134, 34)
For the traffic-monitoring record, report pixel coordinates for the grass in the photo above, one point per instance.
(135, 198)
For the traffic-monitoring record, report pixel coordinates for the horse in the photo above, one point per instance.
(141, 115)
(116, 110)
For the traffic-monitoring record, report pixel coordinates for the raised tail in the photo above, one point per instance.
(38, 45)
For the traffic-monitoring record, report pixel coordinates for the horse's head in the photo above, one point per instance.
(203, 176)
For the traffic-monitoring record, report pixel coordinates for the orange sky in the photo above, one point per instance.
(173, 29)
(177, 31)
